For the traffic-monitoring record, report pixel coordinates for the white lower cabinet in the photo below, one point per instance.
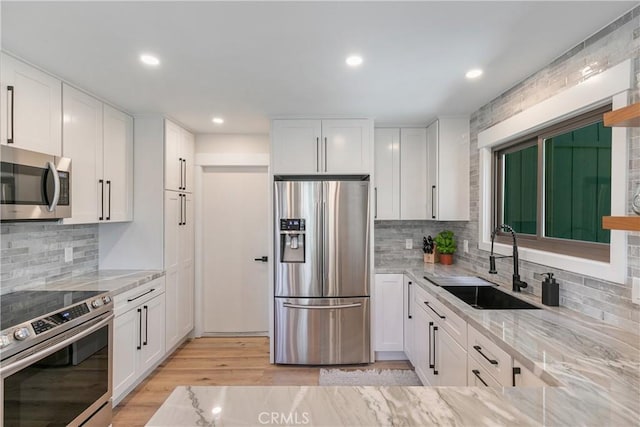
(138, 339)
(491, 358)
(389, 334)
(440, 360)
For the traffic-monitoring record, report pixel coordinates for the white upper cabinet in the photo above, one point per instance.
(448, 169)
(387, 173)
(401, 173)
(99, 141)
(31, 105)
(118, 164)
(321, 146)
(413, 173)
(179, 156)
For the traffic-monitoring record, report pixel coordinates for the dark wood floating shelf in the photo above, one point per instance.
(628, 116)
(629, 223)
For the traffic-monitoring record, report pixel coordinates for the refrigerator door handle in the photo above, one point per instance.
(321, 307)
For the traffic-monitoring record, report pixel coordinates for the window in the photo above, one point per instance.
(554, 187)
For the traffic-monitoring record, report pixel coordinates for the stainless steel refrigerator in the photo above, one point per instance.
(322, 272)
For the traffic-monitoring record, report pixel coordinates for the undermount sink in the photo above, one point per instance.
(488, 298)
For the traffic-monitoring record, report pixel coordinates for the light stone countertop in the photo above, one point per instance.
(113, 281)
(596, 365)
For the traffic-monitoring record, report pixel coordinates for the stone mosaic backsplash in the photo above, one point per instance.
(32, 253)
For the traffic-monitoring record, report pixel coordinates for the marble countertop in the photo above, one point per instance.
(597, 367)
(113, 281)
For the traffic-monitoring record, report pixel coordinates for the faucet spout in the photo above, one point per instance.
(518, 284)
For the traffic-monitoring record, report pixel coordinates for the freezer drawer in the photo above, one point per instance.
(322, 331)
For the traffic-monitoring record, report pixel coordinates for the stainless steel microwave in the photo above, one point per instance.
(34, 186)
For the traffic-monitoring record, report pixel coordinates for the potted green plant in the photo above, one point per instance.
(446, 246)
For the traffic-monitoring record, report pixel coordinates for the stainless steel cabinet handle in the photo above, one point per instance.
(439, 315)
(375, 207)
(325, 154)
(141, 295)
(10, 89)
(409, 300)
(479, 350)
(184, 171)
(317, 154)
(139, 330)
(146, 325)
(56, 186)
(477, 374)
(431, 365)
(433, 200)
(321, 307)
(109, 200)
(101, 182)
(435, 367)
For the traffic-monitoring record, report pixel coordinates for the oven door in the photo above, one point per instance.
(34, 185)
(65, 380)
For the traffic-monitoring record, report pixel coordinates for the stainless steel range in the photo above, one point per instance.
(56, 358)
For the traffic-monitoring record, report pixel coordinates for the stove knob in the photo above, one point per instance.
(21, 334)
(96, 303)
(106, 299)
(4, 341)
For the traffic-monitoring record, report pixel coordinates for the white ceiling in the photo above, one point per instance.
(251, 61)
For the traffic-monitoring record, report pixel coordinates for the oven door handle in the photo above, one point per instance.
(16, 366)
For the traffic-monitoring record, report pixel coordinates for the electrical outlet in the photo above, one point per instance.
(465, 245)
(68, 254)
(635, 290)
(408, 243)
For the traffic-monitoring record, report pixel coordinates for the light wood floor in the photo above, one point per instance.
(216, 361)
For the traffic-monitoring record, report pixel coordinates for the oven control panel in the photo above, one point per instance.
(42, 325)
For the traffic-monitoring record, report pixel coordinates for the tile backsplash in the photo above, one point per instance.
(32, 253)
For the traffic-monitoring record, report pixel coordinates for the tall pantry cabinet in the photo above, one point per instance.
(161, 236)
(178, 232)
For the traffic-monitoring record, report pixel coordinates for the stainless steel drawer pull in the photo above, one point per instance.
(321, 307)
(439, 315)
(479, 350)
(477, 374)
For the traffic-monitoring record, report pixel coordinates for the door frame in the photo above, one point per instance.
(239, 160)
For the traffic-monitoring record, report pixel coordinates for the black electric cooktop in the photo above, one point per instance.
(22, 306)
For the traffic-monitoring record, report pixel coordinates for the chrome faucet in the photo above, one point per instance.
(517, 283)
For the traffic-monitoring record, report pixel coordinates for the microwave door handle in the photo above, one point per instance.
(56, 187)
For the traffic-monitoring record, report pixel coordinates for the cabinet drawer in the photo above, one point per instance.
(450, 321)
(493, 359)
(478, 376)
(134, 297)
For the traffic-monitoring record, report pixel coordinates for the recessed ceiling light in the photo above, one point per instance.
(473, 74)
(218, 120)
(149, 60)
(354, 60)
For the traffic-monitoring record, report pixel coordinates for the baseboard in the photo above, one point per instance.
(235, 334)
(390, 355)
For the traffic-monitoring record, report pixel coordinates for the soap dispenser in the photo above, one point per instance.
(550, 291)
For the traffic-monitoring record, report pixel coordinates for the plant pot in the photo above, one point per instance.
(446, 259)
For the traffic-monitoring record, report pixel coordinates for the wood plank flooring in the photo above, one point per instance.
(216, 361)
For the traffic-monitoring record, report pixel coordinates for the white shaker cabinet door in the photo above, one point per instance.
(408, 316)
(118, 165)
(126, 337)
(173, 163)
(450, 360)
(83, 144)
(388, 312)
(32, 107)
(346, 146)
(188, 157)
(413, 173)
(387, 173)
(296, 146)
(153, 317)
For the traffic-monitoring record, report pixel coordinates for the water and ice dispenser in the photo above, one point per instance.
(292, 240)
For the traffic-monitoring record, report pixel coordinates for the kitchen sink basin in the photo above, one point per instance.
(488, 298)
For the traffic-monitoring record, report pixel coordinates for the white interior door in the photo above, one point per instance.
(235, 227)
